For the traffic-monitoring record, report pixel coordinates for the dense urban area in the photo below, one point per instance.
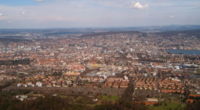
(99, 70)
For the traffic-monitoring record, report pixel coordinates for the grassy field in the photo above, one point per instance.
(112, 99)
(172, 105)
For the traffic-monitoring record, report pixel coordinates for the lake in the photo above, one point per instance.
(186, 52)
(195, 76)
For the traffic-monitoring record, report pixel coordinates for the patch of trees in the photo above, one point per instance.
(47, 103)
(25, 61)
(12, 39)
(58, 103)
(6, 84)
(194, 106)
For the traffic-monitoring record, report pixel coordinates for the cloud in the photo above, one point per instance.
(2, 16)
(23, 12)
(138, 5)
(171, 16)
(112, 3)
(39, 0)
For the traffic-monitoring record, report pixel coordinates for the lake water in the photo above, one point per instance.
(186, 52)
(195, 76)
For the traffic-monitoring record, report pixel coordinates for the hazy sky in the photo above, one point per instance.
(97, 13)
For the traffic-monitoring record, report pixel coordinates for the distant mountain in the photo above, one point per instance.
(173, 28)
(94, 30)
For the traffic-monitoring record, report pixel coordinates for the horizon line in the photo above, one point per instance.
(96, 27)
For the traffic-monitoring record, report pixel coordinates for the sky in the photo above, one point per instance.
(97, 13)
